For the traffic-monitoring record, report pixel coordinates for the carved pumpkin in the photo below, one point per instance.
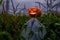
(35, 12)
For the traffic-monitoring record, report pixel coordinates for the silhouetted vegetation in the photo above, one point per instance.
(14, 26)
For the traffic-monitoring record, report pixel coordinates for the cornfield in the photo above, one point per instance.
(12, 27)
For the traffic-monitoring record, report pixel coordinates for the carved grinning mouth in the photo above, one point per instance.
(33, 13)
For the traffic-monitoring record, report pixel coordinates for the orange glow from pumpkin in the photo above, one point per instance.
(35, 12)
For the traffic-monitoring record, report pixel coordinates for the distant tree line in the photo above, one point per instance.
(6, 7)
(50, 6)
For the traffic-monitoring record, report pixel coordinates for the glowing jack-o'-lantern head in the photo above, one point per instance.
(35, 12)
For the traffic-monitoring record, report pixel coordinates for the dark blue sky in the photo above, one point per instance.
(28, 3)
